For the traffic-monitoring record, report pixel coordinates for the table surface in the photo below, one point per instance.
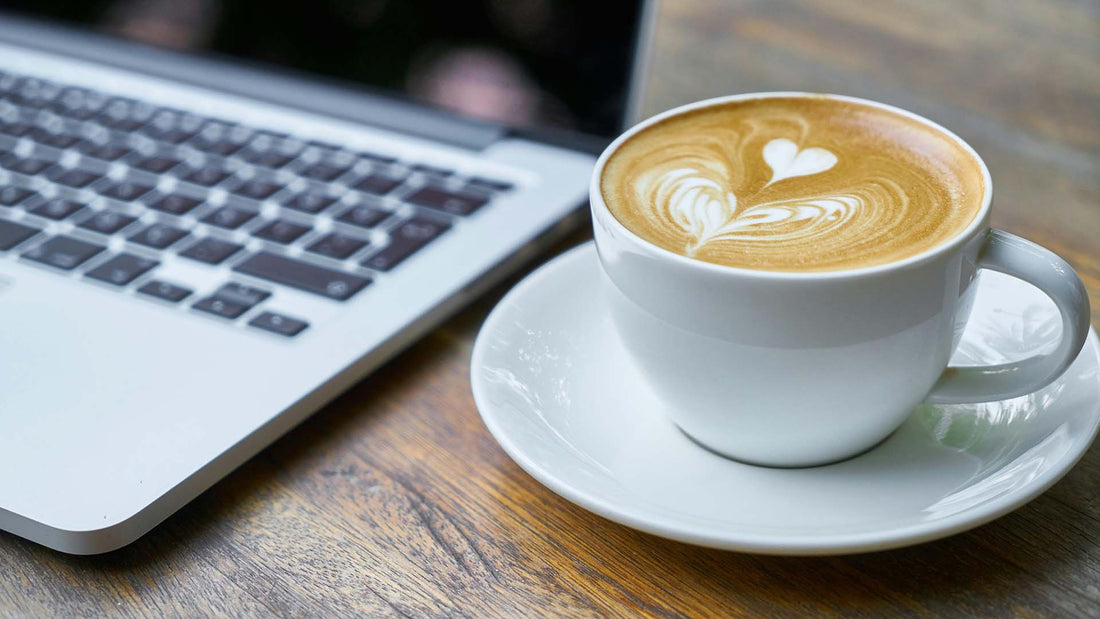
(395, 500)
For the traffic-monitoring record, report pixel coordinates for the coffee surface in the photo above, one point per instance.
(793, 184)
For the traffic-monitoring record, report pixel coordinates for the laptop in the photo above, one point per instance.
(217, 216)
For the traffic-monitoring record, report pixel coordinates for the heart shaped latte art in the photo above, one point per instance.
(696, 203)
(787, 161)
(695, 199)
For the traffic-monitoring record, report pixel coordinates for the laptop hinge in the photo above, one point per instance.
(272, 84)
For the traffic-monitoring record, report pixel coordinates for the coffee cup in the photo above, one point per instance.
(791, 272)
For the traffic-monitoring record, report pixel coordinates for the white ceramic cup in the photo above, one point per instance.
(801, 369)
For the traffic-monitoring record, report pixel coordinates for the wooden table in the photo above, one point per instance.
(394, 500)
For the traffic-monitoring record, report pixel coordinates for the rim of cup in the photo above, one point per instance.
(961, 238)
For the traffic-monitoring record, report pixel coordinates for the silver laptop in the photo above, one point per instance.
(217, 216)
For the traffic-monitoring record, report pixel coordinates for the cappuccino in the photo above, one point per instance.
(793, 183)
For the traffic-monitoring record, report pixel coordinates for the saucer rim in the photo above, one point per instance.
(731, 539)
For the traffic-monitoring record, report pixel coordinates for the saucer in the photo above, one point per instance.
(562, 397)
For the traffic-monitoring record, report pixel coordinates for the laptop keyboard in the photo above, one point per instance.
(316, 217)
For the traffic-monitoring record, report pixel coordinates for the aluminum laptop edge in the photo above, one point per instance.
(116, 410)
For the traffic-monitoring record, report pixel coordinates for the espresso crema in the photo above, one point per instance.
(799, 183)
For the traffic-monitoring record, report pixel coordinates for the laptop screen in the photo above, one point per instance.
(540, 64)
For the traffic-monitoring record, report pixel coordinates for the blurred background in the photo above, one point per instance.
(492, 59)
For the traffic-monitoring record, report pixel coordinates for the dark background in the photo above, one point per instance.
(526, 63)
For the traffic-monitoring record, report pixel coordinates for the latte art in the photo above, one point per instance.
(798, 184)
(692, 202)
(785, 160)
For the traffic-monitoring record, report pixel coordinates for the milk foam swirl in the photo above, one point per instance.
(798, 184)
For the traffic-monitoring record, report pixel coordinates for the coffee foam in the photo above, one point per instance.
(793, 184)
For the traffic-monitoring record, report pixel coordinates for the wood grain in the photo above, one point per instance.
(395, 501)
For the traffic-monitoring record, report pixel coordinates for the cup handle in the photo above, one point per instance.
(1043, 269)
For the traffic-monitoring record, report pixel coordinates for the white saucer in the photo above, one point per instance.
(559, 393)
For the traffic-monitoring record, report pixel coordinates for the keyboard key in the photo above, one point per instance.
(12, 234)
(324, 171)
(158, 236)
(155, 164)
(363, 216)
(107, 222)
(309, 202)
(232, 300)
(331, 154)
(36, 93)
(406, 239)
(63, 252)
(12, 195)
(57, 209)
(23, 165)
(229, 217)
(337, 246)
(125, 114)
(104, 150)
(78, 103)
(9, 82)
(211, 250)
(126, 125)
(15, 129)
(221, 138)
(220, 307)
(377, 184)
(56, 140)
(72, 177)
(172, 126)
(30, 102)
(269, 159)
(431, 170)
(165, 291)
(302, 275)
(257, 190)
(456, 202)
(480, 182)
(207, 176)
(281, 231)
(125, 190)
(267, 142)
(241, 294)
(279, 324)
(221, 147)
(122, 269)
(175, 204)
(273, 152)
